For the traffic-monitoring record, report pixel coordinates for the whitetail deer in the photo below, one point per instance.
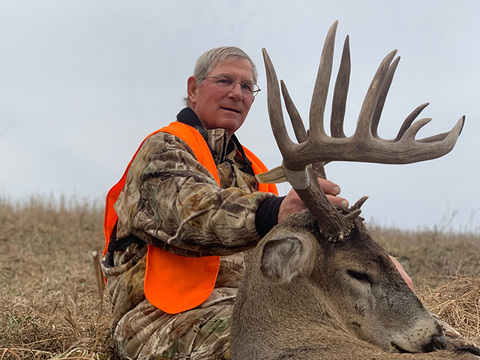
(318, 286)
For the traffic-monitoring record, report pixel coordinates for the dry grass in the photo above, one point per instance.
(432, 257)
(458, 303)
(50, 306)
(49, 301)
(446, 270)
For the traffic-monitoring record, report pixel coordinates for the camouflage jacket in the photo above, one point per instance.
(170, 200)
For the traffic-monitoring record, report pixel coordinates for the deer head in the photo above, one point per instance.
(318, 275)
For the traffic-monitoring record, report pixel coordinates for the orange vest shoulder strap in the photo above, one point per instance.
(196, 142)
(176, 283)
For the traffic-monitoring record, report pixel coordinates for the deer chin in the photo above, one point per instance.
(397, 349)
(400, 347)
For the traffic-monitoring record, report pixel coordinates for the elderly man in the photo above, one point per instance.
(178, 221)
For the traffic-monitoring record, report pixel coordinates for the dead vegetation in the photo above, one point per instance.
(49, 302)
(51, 308)
(446, 270)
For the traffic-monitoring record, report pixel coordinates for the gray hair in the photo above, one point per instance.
(213, 57)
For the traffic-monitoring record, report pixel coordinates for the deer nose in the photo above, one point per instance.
(439, 342)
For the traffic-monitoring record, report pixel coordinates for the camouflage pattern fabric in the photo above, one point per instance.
(169, 196)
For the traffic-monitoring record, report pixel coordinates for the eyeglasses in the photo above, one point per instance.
(228, 83)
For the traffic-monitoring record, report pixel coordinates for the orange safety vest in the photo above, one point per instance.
(176, 283)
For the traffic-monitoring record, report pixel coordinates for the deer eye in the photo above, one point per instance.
(360, 276)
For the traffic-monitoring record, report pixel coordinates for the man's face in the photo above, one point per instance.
(217, 107)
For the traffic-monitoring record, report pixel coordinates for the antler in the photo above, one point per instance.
(363, 146)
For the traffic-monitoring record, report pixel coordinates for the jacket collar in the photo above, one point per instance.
(215, 138)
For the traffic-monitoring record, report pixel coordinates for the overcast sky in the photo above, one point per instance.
(82, 82)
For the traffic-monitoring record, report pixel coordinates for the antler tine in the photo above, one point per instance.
(409, 120)
(319, 97)
(441, 143)
(431, 139)
(383, 96)
(295, 118)
(277, 122)
(407, 124)
(442, 136)
(340, 93)
(320, 91)
(364, 124)
(409, 129)
(299, 128)
(446, 139)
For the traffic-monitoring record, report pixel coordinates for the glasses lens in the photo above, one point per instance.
(225, 82)
(247, 88)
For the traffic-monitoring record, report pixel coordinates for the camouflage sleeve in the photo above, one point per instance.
(172, 201)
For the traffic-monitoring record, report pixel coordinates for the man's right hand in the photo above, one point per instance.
(292, 203)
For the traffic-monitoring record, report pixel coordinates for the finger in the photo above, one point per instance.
(329, 187)
(337, 200)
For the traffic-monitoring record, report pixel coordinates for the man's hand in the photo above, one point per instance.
(292, 203)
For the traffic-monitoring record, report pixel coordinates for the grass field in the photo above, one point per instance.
(52, 307)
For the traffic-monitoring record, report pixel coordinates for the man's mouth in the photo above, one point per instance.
(231, 109)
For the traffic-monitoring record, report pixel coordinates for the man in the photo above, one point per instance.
(187, 207)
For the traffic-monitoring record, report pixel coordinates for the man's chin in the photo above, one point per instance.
(231, 124)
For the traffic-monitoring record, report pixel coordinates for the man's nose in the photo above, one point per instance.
(236, 92)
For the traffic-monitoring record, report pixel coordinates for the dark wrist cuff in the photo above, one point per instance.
(266, 216)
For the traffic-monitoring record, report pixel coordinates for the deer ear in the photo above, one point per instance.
(284, 259)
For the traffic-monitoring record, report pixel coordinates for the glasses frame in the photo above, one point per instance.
(256, 88)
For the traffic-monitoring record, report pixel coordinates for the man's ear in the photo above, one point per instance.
(192, 88)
